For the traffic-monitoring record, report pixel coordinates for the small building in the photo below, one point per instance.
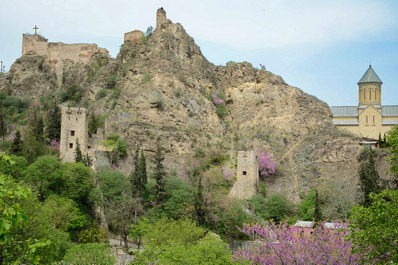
(370, 118)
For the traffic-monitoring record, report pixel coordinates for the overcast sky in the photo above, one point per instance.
(323, 47)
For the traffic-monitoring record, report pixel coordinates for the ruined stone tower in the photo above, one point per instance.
(74, 126)
(161, 17)
(247, 177)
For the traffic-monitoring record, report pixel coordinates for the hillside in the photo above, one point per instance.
(161, 87)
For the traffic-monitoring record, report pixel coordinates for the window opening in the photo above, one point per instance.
(70, 145)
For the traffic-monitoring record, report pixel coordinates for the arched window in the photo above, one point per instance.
(364, 95)
(370, 94)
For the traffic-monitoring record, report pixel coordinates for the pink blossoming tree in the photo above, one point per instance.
(284, 244)
(266, 165)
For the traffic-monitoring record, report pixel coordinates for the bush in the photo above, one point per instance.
(159, 104)
(146, 78)
(90, 253)
(115, 93)
(101, 94)
(112, 81)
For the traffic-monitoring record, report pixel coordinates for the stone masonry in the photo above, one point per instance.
(56, 52)
(74, 127)
(247, 177)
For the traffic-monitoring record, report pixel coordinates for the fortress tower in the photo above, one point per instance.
(74, 126)
(247, 177)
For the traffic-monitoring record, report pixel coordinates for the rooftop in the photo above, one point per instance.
(370, 76)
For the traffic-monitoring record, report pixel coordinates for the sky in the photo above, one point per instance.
(322, 47)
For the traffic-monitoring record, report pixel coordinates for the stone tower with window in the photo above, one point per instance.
(247, 176)
(74, 126)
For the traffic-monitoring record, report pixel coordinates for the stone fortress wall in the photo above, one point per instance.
(247, 177)
(56, 52)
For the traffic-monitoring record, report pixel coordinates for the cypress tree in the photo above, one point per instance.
(53, 122)
(369, 178)
(160, 175)
(317, 208)
(78, 153)
(17, 144)
(139, 176)
(199, 204)
(3, 126)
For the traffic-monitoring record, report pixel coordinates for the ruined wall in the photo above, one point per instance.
(247, 177)
(56, 52)
(133, 36)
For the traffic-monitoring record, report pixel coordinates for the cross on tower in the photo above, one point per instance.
(35, 28)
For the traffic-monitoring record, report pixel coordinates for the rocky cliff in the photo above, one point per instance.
(166, 87)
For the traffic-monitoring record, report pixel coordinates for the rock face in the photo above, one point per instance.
(166, 87)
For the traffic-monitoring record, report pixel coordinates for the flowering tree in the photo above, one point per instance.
(217, 99)
(284, 244)
(228, 174)
(266, 165)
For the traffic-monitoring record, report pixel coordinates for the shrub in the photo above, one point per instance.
(115, 93)
(90, 253)
(159, 104)
(199, 152)
(101, 94)
(144, 40)
(146, 78)
(112, 81)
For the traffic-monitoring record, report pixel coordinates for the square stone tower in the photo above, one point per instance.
(74, 126)
(247, 177)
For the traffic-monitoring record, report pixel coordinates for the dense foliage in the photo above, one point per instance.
(284, 244)
(375, 229)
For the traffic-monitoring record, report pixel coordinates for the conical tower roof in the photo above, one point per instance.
(370, 76)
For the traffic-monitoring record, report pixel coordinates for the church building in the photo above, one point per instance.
(369, 119)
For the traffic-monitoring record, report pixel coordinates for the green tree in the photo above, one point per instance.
(15, 170)
(90, 253)
(122, 213)
(317, 208)
(159, 175)
(3, 126)
(278, 208)
(93, 123)
(199, 204)
(78, 153)
(375, 228)
(53, 119)
(392, 139)
(307, 207)
(36, 124)
(369, 179)
(139, 177)
(17, 144)
(179, 199)
(45, 175)
(182, 242)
